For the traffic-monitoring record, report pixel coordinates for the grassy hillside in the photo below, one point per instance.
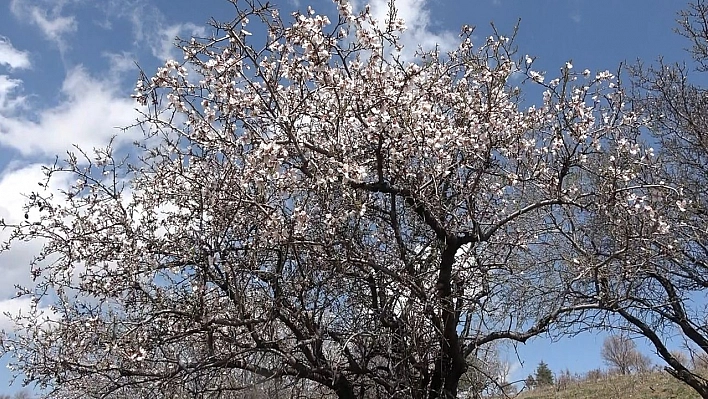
(655, 385)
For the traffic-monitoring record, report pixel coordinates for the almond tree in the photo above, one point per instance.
(309, 207)
(655, 284)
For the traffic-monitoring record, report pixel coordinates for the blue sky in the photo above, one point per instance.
(67, 69)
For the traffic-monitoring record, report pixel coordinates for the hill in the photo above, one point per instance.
(650, 385)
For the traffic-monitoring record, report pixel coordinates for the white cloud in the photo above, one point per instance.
(120, 64)
(163, 45)
(89, 115)
(514, 371)
(576, 15)
(10, 101)
(53, 27)
(13, 306)
(151, 29)
(47, 16)
(15, 183)
(23, 306)
(11, 57)
(15, 267)
(418, 26)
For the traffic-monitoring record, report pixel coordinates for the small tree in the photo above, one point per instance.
(486, 374)
(594, 375)
(564, 379)
(18, 395)
(530, 382)
(544, 375)
(642, 363)
(699, 361)
(620, 353)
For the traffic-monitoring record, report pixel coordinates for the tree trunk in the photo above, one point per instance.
(451, 362)
(343, 388)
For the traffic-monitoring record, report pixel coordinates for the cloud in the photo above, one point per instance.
(151, 29)
(514, 372)
(53, 27)
(163, 44)
(120, 64)
(10, 101)
(575, 15)
(12, 57)
(23, 306)
(47, 16)
(15, 183)
(13, 306)
(89, 115)
(419, 31)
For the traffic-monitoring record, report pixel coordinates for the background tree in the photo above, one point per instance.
(486, 376)
(620, 352)
(530, 382)
(699, 362)
(309, 207)
(543, 375)
(680, 356)
(18, 395)
(564, 379)
(642, 363)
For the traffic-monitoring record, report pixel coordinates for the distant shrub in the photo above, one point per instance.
(594, 375)
(564, 379)
(700, 361)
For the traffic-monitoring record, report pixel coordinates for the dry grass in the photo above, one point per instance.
(652, 385)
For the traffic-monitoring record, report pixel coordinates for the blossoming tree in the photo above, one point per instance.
(310, 207)
(656, 285)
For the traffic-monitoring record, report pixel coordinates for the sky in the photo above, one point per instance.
(68, 67)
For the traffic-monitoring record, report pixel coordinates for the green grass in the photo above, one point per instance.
(655, 385)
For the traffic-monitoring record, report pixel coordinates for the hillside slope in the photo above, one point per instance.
(654, 385)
